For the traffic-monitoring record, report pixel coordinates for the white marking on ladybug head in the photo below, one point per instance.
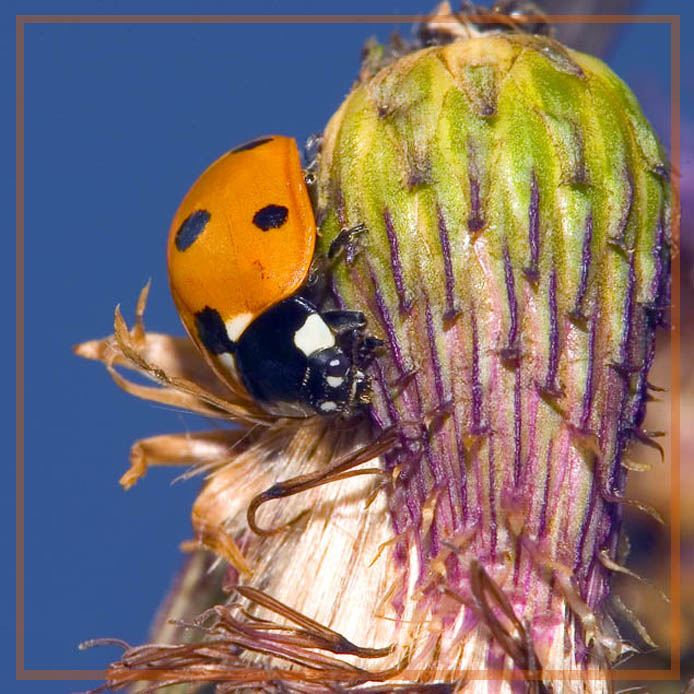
(236, 325)
(328, 406)
(314, 335)
(335, 381)
(334, 362)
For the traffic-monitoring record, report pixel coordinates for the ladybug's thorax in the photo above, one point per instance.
(290, 354)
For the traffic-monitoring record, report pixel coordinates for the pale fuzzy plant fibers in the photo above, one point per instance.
(512, 249)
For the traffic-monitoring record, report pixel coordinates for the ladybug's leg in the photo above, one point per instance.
(350, 325)
(344, 321)
(344, 246)
(347, 242)
(366, 350)
(349, 328)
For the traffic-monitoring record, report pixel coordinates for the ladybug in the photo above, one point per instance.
(240, 250)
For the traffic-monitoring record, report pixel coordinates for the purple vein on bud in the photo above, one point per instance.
(451, 309)
(532, 270)
(404, 297)
(577, 311)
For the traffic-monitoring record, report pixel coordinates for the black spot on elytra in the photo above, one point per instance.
(251, 145)
(270, 217)
(212, 331)
(193, 225)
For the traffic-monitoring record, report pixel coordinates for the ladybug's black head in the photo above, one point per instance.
(291, 360)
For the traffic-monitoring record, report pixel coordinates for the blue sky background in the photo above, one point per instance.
(120, 119)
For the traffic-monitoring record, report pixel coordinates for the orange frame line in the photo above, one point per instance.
(675, 567)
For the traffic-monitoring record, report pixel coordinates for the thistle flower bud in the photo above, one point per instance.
(516, 263)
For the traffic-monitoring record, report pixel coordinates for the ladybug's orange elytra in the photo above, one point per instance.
(243, 238)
